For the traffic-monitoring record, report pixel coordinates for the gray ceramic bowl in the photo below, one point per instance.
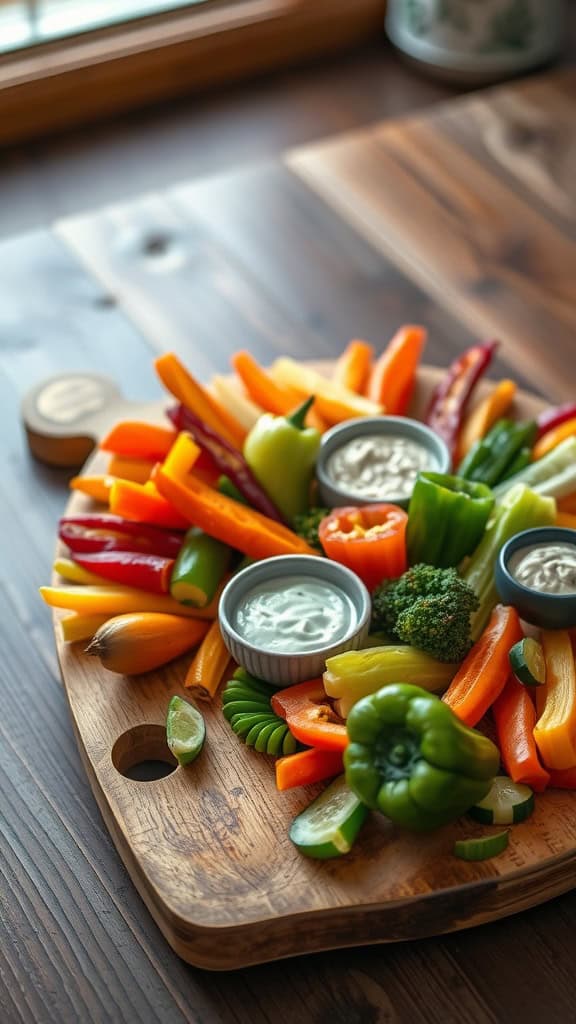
(549, 611)
(283, 669)
(333, 494)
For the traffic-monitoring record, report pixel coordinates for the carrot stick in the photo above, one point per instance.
(552, 438)
(190, 393)
(112, 600)
(484, 415)
(135, 440)
(307, 766)
(515, 717)
(333, 402)
(137, 470)
(96, 487)
(76, 627)
(269, 395)
(483, 673)
(393, 377)
(208, 665)
(237, 525)
(142, 503)
(353, 366)
(555, 730)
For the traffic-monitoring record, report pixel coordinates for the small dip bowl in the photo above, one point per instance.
(549, 611)
(333, 493)
(284, 669)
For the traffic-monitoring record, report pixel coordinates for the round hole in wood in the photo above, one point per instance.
(142, 754)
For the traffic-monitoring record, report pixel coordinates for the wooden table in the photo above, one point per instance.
(463, 220)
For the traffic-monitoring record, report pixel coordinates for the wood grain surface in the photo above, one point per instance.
(207, 846)
(76, 941)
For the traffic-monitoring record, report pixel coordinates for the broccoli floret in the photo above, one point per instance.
(427, 608)
(306, 525)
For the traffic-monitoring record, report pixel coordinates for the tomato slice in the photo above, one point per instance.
(309, 715)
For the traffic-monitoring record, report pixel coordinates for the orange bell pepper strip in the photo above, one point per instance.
(567, 505)
(515, 718)
(306, 767)
(483, 674)
(208, 665)
(190, 393)
(354, 365)
(370, 540)
(270, 396)
(137, 470)
(555, 730)
(96, 487)
(139, 440)
(393, 377)
(566, 519)
(309, 716)
(484, 415)
(143, 504)
(554, 437)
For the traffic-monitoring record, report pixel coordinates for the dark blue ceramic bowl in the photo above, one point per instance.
(549, 611)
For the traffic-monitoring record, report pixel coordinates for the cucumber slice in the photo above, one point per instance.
(527, 661)
(330, 824)
(507, 803)
(482, 848)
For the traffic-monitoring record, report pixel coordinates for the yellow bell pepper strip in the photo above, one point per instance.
(139, 440)
(393, 377)
(209, 665)
(140, 642)
(225, 390)
(370, 540)
(80, 627)
(96, 487)
(137, 470)
(555, 730)
(199, 569)
(309, 716)
(450, 397)
(116, 600)
(447, 517)
(180, 383)
(333, 402)
(553, 437)
(356, 674)
(483, 674)
(484, 415)
(281, 453)
(515, 718)
(221, 517)
(74, 573)
(353, 367)
(142, 503)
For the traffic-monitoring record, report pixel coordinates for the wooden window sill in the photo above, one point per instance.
(79, 80)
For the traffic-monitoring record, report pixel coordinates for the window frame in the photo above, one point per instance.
(83, 78)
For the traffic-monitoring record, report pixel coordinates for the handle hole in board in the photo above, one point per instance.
(142, 754)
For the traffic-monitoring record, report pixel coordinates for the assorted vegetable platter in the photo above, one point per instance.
(446, 708)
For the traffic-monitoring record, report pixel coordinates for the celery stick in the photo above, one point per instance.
(551, 475)
(520, 509)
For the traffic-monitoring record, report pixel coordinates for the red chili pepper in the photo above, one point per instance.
(450, 397)
(370, 540)
(515, 717)
(229, 460)
(309, 716)
(130, 568)
(306, 767)
(554, 417)
(105, 532)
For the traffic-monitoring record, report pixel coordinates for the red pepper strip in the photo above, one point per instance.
(563, 778)
(309, 716)
(515, 717)
(370, 540)
(450, 397)
(130, 568)
(554, 417)
(229, 460)
(306, 767)
(104, 532)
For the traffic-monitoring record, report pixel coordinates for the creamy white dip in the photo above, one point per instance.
(294, 614)
(549, 568)
(376, 466)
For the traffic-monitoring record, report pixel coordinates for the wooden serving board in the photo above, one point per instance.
(207, 846)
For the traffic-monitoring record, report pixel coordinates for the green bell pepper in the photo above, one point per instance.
(446, 519)
(281, 452)
(411, 758)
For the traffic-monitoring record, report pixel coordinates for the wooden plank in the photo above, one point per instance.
(470, 236)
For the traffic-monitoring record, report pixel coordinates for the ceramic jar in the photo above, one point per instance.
(476, 40)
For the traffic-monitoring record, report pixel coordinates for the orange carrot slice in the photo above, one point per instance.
(393, 378)
(552, 438)
(190, 393)
(208, 665)
(269, 395)
(515, 717)
(143, 503)
(306, 767)
(353, 366)
(138, 470)
(139, 440)
(96, 487)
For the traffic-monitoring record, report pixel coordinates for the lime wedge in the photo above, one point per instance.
(185, 730)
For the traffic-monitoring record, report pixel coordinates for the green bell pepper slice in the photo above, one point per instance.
(281, 452)
(447, 517)
(411, 758)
